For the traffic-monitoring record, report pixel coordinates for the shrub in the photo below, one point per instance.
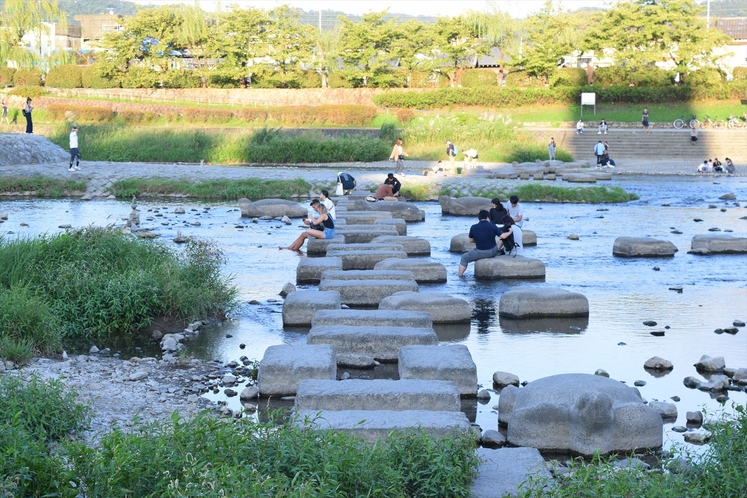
(706, 77)
(251, 114)
(651, 77)
(137, 117)
(65, 76)
(203, 115)
(6, 75)
(569, 76)
(405, 115)
(92, 78)
(28, 91)
(181, 78)
(389, 133)
(428, 79)
(60, 112)
(310, 79)
(611, 76)
(29, 77)
(739, 73)
(479, 77)
(224, 78)
(26, 319)
(140, 77)
(336, 80)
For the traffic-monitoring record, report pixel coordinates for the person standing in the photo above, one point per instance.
(551, 149)
(644, 119)
(398, 154)
(27, 114)
(74, 152)
(515, 210)
(394, 182)
(483, 235)
(599, 151)
(451, 151)
(5, 114)
(324, 196)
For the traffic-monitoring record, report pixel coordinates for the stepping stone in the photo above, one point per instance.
(372, 318)
(366, 259)
(310, 270)
(413, 246)
(284, 366)
(452, 362)
(718, 244)
(529, 238)
(398, 223)
(355, 235)
(425, 271)
(372, 425)
(503, 471)
(509, 267)
(631, 247)
(368, 275)
(537, 302)
(299, 307)
(579, 178)
(364, 217)
(382, 343)
(461, 243)
(352, 246)
(442, 307)
(377, 394)
(318, 247)
(463, 206)
(399, 209)
(366, 292)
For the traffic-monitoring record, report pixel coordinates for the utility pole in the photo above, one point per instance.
(708, 14)
(320, 19)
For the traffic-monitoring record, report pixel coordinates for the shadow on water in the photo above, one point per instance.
(574, 325)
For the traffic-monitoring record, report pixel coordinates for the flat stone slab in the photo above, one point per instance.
(632, 247)
(299, 307)
(398, 223)
(442, 307)
(528, 238)
(284, 366)
(579, 413)
(365, 259)
(413, 246)
(352, 246)
(363, 217)
(366, 292)
(372, 425)
(425, 271)
(463, 206)
(718, 244)
(509, 267)
(450, 362)
(310, 270)
(539, 302)
(275, 208)
(318, 247)
(382, 342)
(579, 178)
(368, 275)
(503, 471)
(377, 394)
(373, 318)
(398, 209)
(355, 235)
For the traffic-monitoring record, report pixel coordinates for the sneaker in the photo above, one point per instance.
(71, 168)
(599, 133)
(77, 168)
(605, 132)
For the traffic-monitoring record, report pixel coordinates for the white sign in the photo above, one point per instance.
(588, 99)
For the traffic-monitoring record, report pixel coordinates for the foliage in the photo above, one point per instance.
(41, 186)
(569, 76)
(389, 133)
(138, 77)
(28, 322)
(91, 78)
(66, 76)
(198, 458)
(19, 18)
(275, 147)
(81, 114)
(251, 188)
(6, 75)
(181, 78)
(366, 49)
(480, 77)
(28, 91)
(101, 283)
(455, 45)
(641, 33)
(637, 76)
(29, 77)
(739, 73)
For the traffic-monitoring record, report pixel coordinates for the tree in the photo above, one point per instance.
(289, 46)
(455, 48)
(412, 40)
(365, 48)
(645, 32)
(242, 39)
(20, 17)
(548, 37)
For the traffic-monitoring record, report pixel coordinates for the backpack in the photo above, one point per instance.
(456, 150)
(509, 243)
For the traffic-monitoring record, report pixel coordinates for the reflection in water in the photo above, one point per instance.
(570, 325)
(658, 374)
(450, 332)
(483, 314)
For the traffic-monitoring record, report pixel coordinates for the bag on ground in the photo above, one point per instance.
(338, 190)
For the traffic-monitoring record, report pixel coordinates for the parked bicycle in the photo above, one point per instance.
(714, 124)
(679, 123)
(734, 122)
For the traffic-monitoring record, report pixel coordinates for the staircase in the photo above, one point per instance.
(655, 145)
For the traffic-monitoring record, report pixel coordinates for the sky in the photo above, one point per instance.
(431, 8)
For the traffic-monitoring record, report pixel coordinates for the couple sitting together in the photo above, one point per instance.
(321, 227)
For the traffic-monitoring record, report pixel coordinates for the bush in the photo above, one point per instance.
(224, 78)
(405, 115)
(310, 79)
(28, 91)
(92, 78)
(140, 77)
(6, 75)
(181, 78)
(479, 77)
(739, 73)
(137, 117)
(521, 79)
(389, 133)
(62, 112)
(203, 115)
(651, 77)
(339, 115)
(252, 114)
(428, 79)
(569, 76)
(29, 77)
(336, 80)
(66, 76)
(706, 77)
(26, 320)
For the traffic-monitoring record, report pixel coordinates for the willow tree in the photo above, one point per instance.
(21, 17)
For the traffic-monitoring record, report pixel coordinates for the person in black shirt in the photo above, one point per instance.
(483, 234)
(497, 212)
(396, 184)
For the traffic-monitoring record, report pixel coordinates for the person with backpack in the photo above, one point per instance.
(451, 151)
(482, 234)
(511, 238)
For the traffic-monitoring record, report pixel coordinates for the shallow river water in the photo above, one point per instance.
(622, 293)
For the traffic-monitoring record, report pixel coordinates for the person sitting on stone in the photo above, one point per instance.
(385, 190)
(482, 234)
(717, 166)
(602, 127)
(497, 212)
(729, 166)
(394, 182)
(580, 127)
(511, 238)
(704, 168)
(324, 227)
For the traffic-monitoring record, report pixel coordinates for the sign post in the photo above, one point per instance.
(589, 99)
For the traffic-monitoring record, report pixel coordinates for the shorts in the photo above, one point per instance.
(329, 233)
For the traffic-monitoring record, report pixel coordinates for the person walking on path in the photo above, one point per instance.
(644, 119)
(27, 114)
(398, 154)
(5, 115)
(551, 149)
(451, 151)
(483, 235)
(74, 152)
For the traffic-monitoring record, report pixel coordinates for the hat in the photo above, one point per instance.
(448, 141)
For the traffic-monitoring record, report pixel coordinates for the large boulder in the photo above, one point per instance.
(632, 247)
(718, 244)
(275, 208)
(579, 413)
(535, 302)
(463, 206)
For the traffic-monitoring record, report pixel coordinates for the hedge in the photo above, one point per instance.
(29, 77)
(479, 77)
(65, 76)
(91, 78)
(427, 79)
(569, 76)
(58, 112)
(6, 75)
(642, 76)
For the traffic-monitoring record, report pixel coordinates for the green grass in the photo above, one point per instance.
(251, 188)
(549, 193)
(98, 284)
(40, 186)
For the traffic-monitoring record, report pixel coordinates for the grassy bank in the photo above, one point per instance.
(96, 284)
(251, 188)
(40, 186)
(549, 193)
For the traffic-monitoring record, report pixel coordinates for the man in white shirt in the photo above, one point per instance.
(515, 211)
(74, 152)
(324, 196)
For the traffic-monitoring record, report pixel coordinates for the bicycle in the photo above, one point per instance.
(734, 122)
(717, 124)
(679, 123)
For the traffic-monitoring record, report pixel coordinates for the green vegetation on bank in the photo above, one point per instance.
(41, 186)
(99, 284)
(549, 193)
(251, 188)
